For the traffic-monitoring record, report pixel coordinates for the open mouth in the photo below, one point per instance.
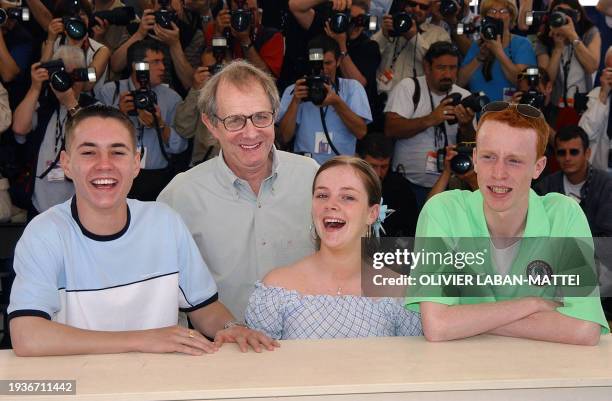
(250, 148)
(333, 223)
(104, 183)
(499, 190)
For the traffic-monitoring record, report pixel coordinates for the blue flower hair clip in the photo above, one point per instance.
(382, 215)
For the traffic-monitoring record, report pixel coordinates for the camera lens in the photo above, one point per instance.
(402, 22)
(339, 22)
(240, 20)
(461, 163)
(75, 28)
(61, 81)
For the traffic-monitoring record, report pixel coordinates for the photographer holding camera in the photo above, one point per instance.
(458, 174)
(240, 24)
(359, 55)
(404, 38)
(569, 49)
(425, 119)
(458, 20)
(151, 107)
(178, 30)
(597, 119)
(493, 63)
(111, 20)
(325, 113)
(71, 28)
(39, 122)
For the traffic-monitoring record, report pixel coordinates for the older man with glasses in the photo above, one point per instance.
(519, 235)
(249, 208)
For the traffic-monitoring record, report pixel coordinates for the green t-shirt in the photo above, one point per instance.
(459, 214)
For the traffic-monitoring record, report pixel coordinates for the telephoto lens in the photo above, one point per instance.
(241, 18)
(316, 80)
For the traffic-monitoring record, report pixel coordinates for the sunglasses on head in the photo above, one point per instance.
(563, 152)
(523, 109)
(414, 4)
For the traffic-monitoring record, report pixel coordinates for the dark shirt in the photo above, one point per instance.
(398, 195)
(20, 45)
(365, 54)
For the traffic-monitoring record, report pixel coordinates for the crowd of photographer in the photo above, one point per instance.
(417, 72)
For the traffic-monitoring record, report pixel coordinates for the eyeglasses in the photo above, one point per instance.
(261, 119)
(563, 152)
(523, 109)
(414, 4)
(495, 11)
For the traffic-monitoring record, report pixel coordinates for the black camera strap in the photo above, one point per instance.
(60, 140)
(566, 68)
(440, 135)
(323, 113)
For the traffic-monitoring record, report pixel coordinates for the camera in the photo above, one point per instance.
(317, 92)
(367, 21)
(449, 8)
(339, 20)
(219, 47)
(466, 29)
(476, 101)
(402, 22)
(462, 162)
(144, 98)
(121, 16)
(532, 96)
(164, 17)
(241, 18)
(490, 28)
(17, 13)
(61, 80)
(75, 27)
(559, 17)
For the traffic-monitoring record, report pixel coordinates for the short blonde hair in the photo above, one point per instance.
(486, 5)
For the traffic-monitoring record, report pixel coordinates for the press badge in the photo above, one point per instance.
(143, 156)
(321, 145)
(431, 163)
(56, 174)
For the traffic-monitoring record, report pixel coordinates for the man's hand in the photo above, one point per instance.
(175, 339)
(99, 30)
(340, 38)
(243, 336)
(495, 46)
(300, 91)
(443, 112)
(332, 97)
(146, 118)
(341, 5)
(147, 23)
(126, 103)
(222, 21)
(606, 82)
(56, 26)
(67, 98)
(171, 37)
(200, 76)
(450, 153)
(464, 115)
(39, 75)
(387, 25)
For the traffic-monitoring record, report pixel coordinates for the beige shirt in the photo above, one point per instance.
(242, 235)
(404, 53)
(5, 110)
(188, 124)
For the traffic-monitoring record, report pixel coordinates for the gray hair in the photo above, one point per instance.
(242, 75)
(72, 56)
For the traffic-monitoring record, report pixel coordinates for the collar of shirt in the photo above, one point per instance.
(537, 225)
(229, 179)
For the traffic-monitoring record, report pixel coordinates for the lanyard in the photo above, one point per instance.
(440, 136)
(566, 68)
